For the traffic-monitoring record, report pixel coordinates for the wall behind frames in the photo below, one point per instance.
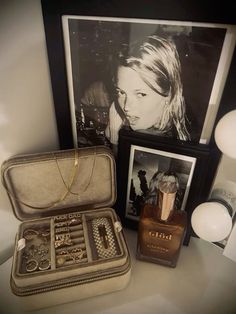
(27, 120)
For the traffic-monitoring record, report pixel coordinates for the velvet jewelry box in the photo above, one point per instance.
(70, 244)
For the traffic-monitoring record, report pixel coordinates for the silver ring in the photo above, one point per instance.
(30, 234)
(45, 233)
(31, 265)
(44, 264)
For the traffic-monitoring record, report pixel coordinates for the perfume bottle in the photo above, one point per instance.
(162, 227)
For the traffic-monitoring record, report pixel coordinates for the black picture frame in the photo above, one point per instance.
(200, 184)
(91, 51)
(184, 10)
(163, 10)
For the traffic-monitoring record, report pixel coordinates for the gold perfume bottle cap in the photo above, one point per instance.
(168, 187)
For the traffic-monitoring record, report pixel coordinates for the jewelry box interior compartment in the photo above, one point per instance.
(68, 245)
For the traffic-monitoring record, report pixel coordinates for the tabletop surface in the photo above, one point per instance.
(204, 281)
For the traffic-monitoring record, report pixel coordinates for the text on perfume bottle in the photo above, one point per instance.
(160, 235)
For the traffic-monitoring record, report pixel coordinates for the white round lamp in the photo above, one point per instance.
(225, 134)
(211, 221)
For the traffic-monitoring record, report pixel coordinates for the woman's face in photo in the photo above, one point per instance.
(142, 106)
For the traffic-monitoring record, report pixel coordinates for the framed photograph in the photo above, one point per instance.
(146, 167)
(143, 160)
(160, 66)
(100, 52)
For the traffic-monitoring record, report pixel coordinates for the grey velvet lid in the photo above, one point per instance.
(46, 184)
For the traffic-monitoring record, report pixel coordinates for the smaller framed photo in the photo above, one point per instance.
(146, 165)
(143, 159)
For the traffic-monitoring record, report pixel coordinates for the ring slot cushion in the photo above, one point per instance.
(47, 190)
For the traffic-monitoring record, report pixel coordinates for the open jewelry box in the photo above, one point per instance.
(70, 244)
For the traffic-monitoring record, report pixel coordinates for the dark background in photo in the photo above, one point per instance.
(94, 44)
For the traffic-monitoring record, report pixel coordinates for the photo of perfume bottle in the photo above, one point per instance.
(162, 226)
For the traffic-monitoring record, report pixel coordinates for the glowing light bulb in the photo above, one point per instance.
(211, 221)
(225, 135)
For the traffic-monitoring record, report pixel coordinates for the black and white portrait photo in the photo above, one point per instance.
(146, 168)
(156, 77)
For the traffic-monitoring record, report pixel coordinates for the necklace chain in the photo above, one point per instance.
(76, 169)
(68, 187)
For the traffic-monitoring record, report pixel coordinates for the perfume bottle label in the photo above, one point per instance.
(160, 242)
(155, 247)
(160, 235)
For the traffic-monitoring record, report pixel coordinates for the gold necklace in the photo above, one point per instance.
(68, 187)
(76, 169)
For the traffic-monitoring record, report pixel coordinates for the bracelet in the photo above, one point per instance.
(104, 238)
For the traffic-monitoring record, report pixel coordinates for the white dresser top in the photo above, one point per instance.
(204, 281)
